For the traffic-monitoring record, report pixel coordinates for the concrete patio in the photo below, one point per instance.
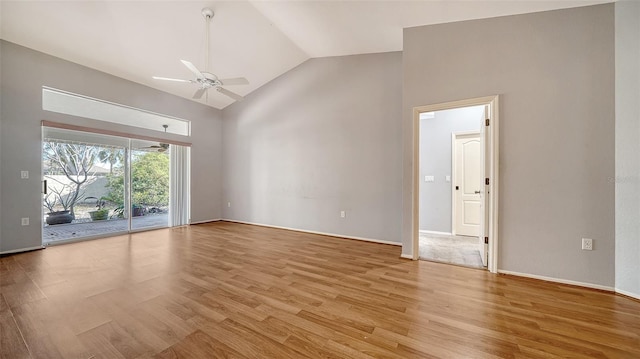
(61, 232)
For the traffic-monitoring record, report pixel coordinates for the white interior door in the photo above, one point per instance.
(468, 176)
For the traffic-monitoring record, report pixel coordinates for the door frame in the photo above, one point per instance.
(491, 191)
(454, 175)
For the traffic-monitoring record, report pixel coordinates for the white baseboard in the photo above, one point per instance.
(437, 233)
(23, 250)
(628, 294)
(406, 256)
(558, 280)
(315, 232)
(206, 221)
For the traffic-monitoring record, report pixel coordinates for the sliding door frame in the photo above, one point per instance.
(127, 180)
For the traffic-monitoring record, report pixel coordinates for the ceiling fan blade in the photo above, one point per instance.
(235, 81)
(199, 93)
(233, 95)
(170, 79)
(193, 69)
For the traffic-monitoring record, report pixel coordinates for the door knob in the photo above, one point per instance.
(477, 192)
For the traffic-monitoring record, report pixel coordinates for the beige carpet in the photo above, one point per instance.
(458, 250)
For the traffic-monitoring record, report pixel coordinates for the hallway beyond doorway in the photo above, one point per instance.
(458, 250)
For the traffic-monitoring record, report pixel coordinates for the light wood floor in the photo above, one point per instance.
(240, 291)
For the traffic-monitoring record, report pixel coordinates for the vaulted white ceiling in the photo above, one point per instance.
(259, 40)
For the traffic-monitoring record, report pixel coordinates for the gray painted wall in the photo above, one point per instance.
(555, 74)
(628, 147)
(435, 160)
(322, 138)
(1, 121)
(24, 72)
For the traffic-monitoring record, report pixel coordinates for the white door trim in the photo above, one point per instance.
(493, 175)
(454, 136)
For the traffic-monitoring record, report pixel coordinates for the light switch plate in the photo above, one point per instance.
(447, 178)
(25, 221)
(587, 244)
(429, 178)
(24, 174)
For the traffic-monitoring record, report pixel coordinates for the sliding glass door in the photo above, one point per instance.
(97, 185)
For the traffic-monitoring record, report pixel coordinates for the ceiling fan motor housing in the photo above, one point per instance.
(210, 80)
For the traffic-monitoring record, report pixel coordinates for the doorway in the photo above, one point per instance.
(455, 182)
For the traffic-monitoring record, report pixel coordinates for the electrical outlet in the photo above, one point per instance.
(587, 244)
(25, 221)
(343, 214)
(228, 204)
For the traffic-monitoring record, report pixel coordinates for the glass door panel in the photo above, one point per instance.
(149, 184)
(83, 175)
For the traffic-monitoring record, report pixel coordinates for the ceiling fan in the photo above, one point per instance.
(160, 147)
(204, 79)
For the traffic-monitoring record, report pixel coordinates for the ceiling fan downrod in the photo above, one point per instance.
(208, 15)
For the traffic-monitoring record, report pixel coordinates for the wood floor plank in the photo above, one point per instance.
(114, 341)
(199, 345)
(12, 344)
(228, 290)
